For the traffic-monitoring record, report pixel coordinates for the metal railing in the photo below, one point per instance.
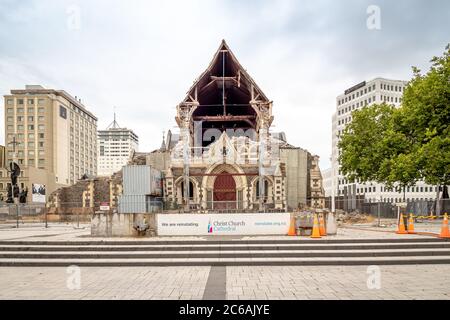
(391, 210)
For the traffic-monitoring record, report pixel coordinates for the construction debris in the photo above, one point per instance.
(353, 217)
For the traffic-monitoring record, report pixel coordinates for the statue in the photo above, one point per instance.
(13, 188)
(15, 172)
(9, 195)
(23, 195)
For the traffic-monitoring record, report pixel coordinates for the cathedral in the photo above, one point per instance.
(225, 156)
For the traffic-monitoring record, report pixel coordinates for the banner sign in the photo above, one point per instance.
(223, 224)
(104, 206)
(38, 193)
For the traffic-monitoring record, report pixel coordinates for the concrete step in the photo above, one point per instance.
(235, 247)
(221, 254)
(223, 241)
(269, 261)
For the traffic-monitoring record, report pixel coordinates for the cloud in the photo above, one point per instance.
(142, 56)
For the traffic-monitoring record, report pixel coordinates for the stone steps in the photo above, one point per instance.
(235, 247)
(210, 241)
(223, 254)
(278, 261)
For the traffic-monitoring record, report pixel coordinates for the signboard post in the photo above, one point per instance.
(104, 206)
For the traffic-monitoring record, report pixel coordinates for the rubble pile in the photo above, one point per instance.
(353, 217)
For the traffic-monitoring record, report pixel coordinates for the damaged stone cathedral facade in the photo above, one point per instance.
(225, 156)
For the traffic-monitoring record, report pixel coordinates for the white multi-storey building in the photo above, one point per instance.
(115, 146)
(326, 180)
(365, 93)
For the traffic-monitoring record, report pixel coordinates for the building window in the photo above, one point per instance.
(19, 101)
(41, 102)
(30, 101)
(41, 136)
(62, 112)
(9, 102)
(31, 136)
(19, 110)
(30, 127)
(41, 110)
(30, 110)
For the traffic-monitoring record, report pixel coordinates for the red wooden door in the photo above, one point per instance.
(224, 192)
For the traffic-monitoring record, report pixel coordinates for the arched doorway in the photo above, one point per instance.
(224, 192)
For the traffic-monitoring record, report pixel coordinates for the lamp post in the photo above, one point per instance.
(333, 206)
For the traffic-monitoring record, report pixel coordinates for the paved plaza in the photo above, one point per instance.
(73, 232)
(220, 282)
(253, 282)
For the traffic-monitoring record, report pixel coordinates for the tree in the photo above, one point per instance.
(362, 144)
(372, 148)
(404, 145)
(426, 119)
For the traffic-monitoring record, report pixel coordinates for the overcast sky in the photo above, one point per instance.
(142, 56)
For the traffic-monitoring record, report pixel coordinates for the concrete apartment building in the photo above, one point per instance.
(51, 135)
(115, 147)
(365, 93)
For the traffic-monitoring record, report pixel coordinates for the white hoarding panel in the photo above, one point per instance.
(38, 193)
(223, 224)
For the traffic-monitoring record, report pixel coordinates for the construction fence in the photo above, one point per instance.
(419, 208)
(76, 213)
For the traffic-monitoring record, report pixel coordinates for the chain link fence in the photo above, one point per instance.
(419, 208)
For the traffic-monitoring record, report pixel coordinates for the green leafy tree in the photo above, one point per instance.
(362, 144)
(398, 147)
(426, 119)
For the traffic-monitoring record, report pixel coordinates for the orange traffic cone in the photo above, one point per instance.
(401, 226)
(445, 233)
(315, 230)
(322, 230)
(291, 231)
(411, 224)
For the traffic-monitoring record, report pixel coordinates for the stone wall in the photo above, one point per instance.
(86, 196)
(297, 181)
(105, 224)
